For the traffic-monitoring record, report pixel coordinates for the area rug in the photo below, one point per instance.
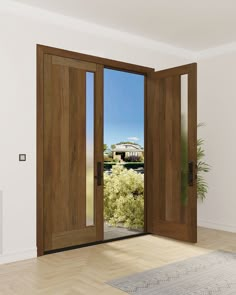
(209, 274)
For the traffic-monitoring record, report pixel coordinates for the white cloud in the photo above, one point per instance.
(134, 138)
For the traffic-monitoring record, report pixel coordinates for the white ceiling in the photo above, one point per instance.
(190, 24)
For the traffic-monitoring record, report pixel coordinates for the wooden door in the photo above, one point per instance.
(172, 153)
(72, 152)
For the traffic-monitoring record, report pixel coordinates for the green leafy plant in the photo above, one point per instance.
(130, 165)
(124, 198)
(202, 167)
(134, 159)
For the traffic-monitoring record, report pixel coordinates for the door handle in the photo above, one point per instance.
(190, 173)
(99, 176)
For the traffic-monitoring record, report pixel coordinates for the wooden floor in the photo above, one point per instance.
(85, 270)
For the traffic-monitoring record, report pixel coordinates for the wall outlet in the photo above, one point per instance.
(22, 157)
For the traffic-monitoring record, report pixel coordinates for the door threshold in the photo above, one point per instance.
(94, 243)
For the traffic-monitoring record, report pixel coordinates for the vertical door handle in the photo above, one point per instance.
(190, 173)
(99, 173)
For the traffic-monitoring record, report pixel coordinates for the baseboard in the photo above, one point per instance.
(219, 226)
(17, 256)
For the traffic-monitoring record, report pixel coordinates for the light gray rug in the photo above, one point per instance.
(208, 274)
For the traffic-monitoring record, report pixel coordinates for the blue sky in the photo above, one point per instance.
(123, 107)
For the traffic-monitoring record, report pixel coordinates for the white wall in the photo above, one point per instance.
(21, 28)
(1, 223)
(217, 108)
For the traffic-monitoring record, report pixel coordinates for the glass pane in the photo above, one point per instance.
(184, 137)
(89, 148)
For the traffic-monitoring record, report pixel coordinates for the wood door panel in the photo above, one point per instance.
(164, 134)
(171, 157)
(167, 214)
(55, 154)
(172, 230)
(73, 237)
(65, 156)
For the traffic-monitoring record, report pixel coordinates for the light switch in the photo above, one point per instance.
(22, 157)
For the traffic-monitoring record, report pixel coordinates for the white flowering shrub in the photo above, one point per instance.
(124, 197)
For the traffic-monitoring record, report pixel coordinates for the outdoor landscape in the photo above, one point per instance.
(124, 151)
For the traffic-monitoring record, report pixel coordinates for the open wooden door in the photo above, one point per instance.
(72, 152)
(171, 149)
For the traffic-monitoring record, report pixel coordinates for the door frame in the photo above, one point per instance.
(107, 63)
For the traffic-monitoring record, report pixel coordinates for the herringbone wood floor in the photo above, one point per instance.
(85, 270)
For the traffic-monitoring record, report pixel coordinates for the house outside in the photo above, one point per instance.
(125, 150)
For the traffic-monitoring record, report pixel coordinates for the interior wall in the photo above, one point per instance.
(1, 224)
(20, 31)
(216, 108)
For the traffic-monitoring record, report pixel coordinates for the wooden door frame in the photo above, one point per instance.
(107, 63)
